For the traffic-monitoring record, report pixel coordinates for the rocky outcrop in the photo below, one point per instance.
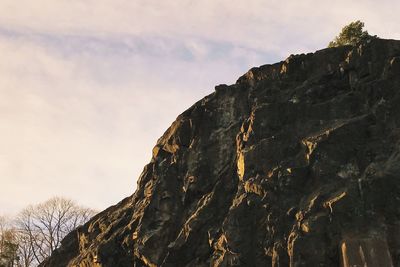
(296, 164)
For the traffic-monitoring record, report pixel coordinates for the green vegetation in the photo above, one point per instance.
(351, 34)
(8, 246)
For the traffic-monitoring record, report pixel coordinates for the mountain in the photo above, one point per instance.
(296, 164)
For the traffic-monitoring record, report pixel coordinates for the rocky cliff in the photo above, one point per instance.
(296, 164)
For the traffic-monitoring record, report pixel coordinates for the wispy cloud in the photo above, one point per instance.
(82, 112)
(87, 86)
(254, 23)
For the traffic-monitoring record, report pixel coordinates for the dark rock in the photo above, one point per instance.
(297, 164)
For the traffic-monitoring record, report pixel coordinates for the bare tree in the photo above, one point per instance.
(24, 253)
(42, 227)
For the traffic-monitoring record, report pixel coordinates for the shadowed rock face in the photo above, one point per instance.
(297, 164)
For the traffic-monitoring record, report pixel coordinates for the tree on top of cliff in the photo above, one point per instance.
(351, 34)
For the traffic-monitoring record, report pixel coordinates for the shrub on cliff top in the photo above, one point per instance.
(351, 34)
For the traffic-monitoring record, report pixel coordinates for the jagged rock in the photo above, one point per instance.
(365, 252)
(297, 164)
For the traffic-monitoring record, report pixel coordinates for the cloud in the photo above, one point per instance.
(88, 86)
(80, 114)
(255, 23)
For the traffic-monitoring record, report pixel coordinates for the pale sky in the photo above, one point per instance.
(88, 86)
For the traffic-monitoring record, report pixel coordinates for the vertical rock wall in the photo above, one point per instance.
(297, 164)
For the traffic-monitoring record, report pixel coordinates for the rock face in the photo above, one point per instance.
(297, 164)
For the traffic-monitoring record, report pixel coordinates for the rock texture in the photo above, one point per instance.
(296, 164)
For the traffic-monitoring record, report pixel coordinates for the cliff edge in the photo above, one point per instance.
(296, 164)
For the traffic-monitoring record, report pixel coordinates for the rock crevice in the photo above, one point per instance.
(296, 164)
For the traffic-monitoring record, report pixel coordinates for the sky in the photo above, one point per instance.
(88, 86)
